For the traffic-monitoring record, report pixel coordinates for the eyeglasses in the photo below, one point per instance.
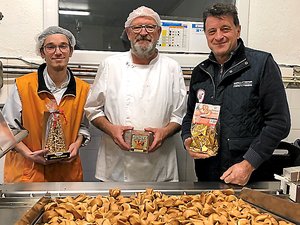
(52, 48)
(138, 28)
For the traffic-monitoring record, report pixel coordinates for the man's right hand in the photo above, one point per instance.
(114, 131)
(195, 155)
(38, 157)
(117, 134)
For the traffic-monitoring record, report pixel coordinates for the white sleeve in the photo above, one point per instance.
(179, 97)
(84, 131)
(13, 108)
(94, 106)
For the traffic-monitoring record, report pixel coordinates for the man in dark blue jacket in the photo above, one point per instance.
(247, 85)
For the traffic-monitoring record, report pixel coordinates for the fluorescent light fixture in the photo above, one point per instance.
(74, 12)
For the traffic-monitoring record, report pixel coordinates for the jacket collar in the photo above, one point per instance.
(237, 54)
(71, 89)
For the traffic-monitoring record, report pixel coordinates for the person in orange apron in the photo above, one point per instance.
(51, 90)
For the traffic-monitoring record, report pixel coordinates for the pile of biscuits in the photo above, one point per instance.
(218, 207)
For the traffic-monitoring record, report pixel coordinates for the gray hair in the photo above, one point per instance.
(53, 30)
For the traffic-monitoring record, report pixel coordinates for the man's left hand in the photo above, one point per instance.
(238, 174)
(74, 150)
(159, 137)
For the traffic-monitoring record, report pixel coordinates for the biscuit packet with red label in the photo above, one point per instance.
(203, 129)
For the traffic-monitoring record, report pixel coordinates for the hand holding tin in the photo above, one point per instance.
(117, 134)
(159, 137)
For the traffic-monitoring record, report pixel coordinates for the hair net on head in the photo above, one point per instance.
(142, 11)
(53, 30)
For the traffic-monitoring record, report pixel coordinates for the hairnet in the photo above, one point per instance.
(142, 11)
(53, 30)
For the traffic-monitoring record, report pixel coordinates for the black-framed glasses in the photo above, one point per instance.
(52, 48)
(138, 28)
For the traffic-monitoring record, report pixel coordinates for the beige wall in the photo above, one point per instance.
(22, 21)
(274, 27)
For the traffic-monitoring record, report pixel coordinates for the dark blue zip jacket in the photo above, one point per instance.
(254, 114)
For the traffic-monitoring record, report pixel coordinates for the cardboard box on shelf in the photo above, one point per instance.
(292, 173)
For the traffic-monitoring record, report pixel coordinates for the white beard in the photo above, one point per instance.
(143, 51)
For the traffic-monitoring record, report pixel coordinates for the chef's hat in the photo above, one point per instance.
(40, 39)
(142, 11)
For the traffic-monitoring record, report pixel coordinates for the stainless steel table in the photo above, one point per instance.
(16, 199)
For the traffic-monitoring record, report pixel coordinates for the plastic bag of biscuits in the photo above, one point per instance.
(53, 134)
(203, 129)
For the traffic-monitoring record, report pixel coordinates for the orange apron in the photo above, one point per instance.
(19, 169)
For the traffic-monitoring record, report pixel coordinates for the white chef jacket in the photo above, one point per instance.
(140, 96)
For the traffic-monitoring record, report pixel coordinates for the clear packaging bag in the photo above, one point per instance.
(54, 138)
(203, 129)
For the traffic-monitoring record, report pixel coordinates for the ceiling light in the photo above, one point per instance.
(73, 12)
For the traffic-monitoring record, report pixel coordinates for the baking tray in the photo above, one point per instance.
(34, 215)
(279, 206)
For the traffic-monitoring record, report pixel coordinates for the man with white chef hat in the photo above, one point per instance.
(138, 90)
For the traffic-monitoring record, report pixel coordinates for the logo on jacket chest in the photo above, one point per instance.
(245, 83)
(200, 95)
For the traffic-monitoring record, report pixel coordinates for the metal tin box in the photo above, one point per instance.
(139, 140)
